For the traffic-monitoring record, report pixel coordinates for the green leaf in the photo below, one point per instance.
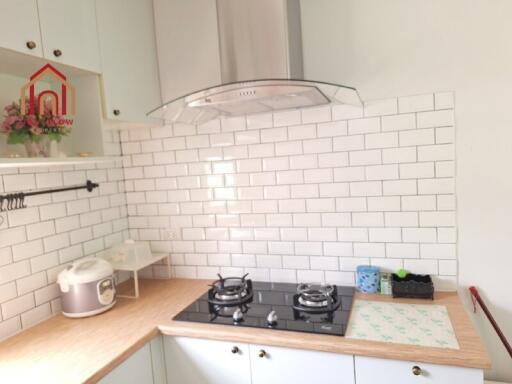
(16, 137)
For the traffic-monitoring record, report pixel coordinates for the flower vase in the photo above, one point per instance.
(40, 148)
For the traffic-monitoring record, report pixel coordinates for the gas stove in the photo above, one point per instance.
(238, 301)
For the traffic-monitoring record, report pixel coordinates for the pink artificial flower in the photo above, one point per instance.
(36, 130)
(31, 121)
(6, 127)
(20, 124)
(50, 123)
(10, 120)
(11, 109)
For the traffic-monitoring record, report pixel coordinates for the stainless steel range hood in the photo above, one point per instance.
(261, 63)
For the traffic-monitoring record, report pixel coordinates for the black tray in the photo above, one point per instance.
(412, 286)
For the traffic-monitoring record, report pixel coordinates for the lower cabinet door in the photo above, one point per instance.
(200, 361)
(273, 365)
(137, 369)
(371, 370)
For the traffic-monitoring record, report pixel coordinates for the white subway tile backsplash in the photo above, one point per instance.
(367, 125)
(317, 145)
(444, 100)
(301, 132)
(14, 183)
(437, 219)
(27, 250)
(271, 135)
(441, 118)
(417, 137)
(303, 162)
(381, 140)
(16, 306)
(262, 120)
(290, 196)
(419, 235)
(348, 143)
(398, 122)
(381, 107)
(365, 157)
(416, 103)
(332, 129)
(316, 115)
(417, 170)
(285, 118)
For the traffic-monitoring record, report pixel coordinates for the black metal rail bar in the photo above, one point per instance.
(12, 201)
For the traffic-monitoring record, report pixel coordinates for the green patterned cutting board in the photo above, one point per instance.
(416, 324)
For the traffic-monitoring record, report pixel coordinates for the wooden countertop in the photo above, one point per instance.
(63, 350)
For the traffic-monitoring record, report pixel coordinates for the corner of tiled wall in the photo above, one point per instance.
(37, 242)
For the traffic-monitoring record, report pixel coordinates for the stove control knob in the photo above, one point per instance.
(272, 318)
(238, 315)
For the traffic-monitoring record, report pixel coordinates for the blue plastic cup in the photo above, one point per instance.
(368, 278)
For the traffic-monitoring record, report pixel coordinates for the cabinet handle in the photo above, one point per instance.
(31, 44)
(416, 371)
(117, 112)
(262, 353)
(235, 350)
(57, 52)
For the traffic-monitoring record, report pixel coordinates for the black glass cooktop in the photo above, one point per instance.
(277, 297)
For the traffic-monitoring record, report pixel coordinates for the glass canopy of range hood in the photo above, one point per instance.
(251, 97)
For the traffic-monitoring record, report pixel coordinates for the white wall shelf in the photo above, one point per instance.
(17, 162)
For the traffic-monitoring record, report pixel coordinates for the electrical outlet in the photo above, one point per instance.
(172, 233)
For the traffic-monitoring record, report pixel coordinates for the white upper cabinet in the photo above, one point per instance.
(19, 26)
(129, 60)
(69, 33)
(275, 365)
(199, 361)
(188, 46)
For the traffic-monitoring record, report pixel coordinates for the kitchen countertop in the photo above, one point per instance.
(63, 350)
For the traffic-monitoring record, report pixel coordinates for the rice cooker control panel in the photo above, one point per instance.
(106, 291)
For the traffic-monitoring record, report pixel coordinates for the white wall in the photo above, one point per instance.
(400, 47)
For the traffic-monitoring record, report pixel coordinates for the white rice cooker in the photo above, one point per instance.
(87, 287)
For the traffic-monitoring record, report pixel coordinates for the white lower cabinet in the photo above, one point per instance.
(273, 365)
(183, 360)
(199, 361)
(146, 366)
(371, 370)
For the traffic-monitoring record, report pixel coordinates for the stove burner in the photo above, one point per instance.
(217, 311)
(316, 299)
(230, 291)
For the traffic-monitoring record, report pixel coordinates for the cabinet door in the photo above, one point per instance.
(136, 369)
(199, 361)
(188, 46)
(371, 370)
(69, 33)
(19, 26)
(129, 60)
(273, 365)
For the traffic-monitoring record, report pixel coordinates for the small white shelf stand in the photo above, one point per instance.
(135, 264)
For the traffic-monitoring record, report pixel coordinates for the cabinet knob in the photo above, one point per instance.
(416, 371)
(262, 353)
(235, 350)
(31, 44)
(57, 52)
(117, 112)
